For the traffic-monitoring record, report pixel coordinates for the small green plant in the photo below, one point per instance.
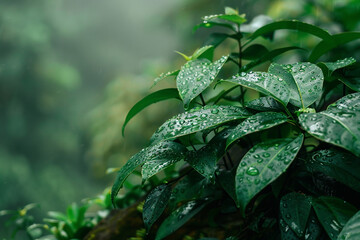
(276, 152)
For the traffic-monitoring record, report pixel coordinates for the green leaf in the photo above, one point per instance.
(262, 165)
(254, 52)
(256, 23)
(330, 43)
(155, 204)
(215, 39)
(268, 57)
(349, 102)
(233, 18)
(206, 52)
(226, 180)
(154, 97)
(333, 213)
(351, 230)
(207, 24)
(255, 123)
(291, 25)
(304, 80)
(162, 150)
(195, 76)
(342, 166)
(295, 210)
(265, 83)
(231, 11)
(153, 166)
(352, 83)
(198, 120)
(333, 66)
(165, 75)
(179, 217)
(286, 232)
(204, 160)
(264, 104)
(336, 126)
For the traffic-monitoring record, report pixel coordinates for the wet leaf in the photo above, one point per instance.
(286, 232)
(206, 52)
(304, 80)
(233, 18)
(351, 230)
(328, 44)
(336, 126)
(333, 213)
(198, 120)
(204, 160)
(330, 67)
(179, 217)
(349, 102)
(295, 210)
(342, 166)
(262, 165)
(264, 104)
(195, 76)
(265, 83)
(155, 204)
(255, 123)
(152, 98)
(352, 83)
(163, 150)
(165, 75)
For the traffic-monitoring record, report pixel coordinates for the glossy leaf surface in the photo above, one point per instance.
(179, 217)
(336, 126)
(234, 18)
(155, 204)
(195, 76)
(304, 80)
(206, 52)
(165, 75)
(295, 210)
(262, 165)
(340, 165)
(328, 44)
(254, 51)
(350, 102)
(291, 25)
(265, 83)
(163, 150)
(264, 104)
(152, 98)
(198, 120)
(333, 213)
(204, 160)
(333, 66)
(351, 230)
(255, 123)
(352, 83)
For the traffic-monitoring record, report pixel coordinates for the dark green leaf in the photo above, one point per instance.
(291, 25)
(268, 57)
(265, 83)
(333, 66)
(179, 217)
(351, 230)
(262, 165)
(349, 102)
(255, 123)
(342, 166)
(195, 76)
(256, 23)
(254, 52)
(264, 104)
(304, 80)
(333, 213)
(226, 180)
(154, 97)
(215, 39)
(204, 160)
(165, 75)
(295, 210)
(162, 150)
(330, 43)
(198, 120)
(352, 83)
(336, 126)
(214, 24)
(286, 232)
(155, 204)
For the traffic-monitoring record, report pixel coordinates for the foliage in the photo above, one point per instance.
(277, 149)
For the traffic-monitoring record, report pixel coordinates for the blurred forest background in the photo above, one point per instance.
(71, 70)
